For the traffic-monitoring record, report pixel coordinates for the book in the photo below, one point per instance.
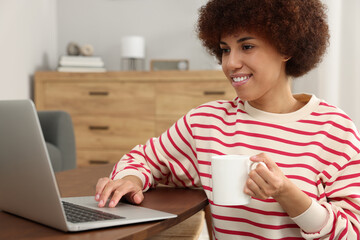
(81, 69)
(81, 61)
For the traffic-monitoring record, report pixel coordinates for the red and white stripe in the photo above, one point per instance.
(318, 151)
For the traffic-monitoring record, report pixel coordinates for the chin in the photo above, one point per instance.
(243, 97)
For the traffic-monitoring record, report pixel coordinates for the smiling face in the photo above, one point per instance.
(255, 68)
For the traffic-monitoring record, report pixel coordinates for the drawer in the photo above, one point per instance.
(100, 97)
(177, 98)
(98, 157)
(109, 132)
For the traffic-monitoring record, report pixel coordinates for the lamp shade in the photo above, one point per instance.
(133, 47)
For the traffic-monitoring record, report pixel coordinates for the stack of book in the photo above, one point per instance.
(81, 64)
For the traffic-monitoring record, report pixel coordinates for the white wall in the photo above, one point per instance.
(349, 60)
(337, 79)
(167, 25)
(28, 42)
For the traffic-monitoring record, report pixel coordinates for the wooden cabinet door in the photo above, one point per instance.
(123, 98)
(175, 99)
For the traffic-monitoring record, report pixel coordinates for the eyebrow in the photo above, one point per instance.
(239, 40)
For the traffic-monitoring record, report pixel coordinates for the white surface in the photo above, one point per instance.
(229, 174)
(28, 43)
(133, 47)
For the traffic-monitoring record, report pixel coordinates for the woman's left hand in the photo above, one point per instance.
(271, 182)
(265, 182)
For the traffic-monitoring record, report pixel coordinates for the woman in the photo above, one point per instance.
(310, 188)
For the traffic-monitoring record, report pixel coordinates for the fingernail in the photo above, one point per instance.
(101, 203)
(112, 204)
(97, 197)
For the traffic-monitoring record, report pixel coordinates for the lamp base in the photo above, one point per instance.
(132, 64)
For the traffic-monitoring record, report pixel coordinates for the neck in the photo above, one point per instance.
(280, 102)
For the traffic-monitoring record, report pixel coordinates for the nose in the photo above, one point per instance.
(233, 61)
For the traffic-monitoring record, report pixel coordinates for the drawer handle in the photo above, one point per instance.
(95, 161)
(99, 93)
(214, 92)
(99, 127)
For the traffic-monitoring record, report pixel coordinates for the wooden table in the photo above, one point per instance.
(81, 182)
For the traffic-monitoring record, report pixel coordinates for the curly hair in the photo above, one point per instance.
(296, 28)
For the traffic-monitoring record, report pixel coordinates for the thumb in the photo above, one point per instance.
(135, 198)
(138, 197)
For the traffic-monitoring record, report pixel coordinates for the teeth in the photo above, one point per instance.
(239, 79)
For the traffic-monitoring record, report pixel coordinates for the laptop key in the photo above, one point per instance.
(77, 214)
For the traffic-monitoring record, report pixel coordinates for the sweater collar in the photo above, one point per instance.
(312, 102)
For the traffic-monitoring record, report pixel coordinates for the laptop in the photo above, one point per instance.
(28, 186)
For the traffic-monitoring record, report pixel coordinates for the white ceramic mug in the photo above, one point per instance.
(229, 174)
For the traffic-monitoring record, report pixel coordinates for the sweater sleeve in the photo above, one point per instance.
(306, 220)
(340, 195)
(169, 159)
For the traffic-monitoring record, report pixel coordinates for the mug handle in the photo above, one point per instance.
(253, 165)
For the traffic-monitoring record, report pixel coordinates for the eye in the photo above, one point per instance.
(247, 47)
(225, 50)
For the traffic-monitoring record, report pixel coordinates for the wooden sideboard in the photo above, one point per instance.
(114, 111)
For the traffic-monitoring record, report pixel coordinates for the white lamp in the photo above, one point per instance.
(133, 53)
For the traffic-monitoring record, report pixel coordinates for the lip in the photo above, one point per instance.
(240, 79)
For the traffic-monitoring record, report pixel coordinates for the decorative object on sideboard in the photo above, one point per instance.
(133, 53)
(87, 50)
(80, 59)
(73, 49)
(164, 64)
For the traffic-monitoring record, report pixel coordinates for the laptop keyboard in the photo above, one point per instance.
(78, 214)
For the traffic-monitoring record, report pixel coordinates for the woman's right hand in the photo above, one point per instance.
(129, 187)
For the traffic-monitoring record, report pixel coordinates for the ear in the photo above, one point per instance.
(286, 58)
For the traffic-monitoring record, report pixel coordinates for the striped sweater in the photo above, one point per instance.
(317, 147)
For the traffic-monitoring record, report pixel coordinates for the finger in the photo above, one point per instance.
(254, 165)
(117, 195)
(270, 173)
(257, 160)
(255, 189)
(135, 197)
(107, 191)
(262, 157)
(100, 187)
(248, 191)
(127, 188)
(124, 187)
(257, 176)
(138, 197)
